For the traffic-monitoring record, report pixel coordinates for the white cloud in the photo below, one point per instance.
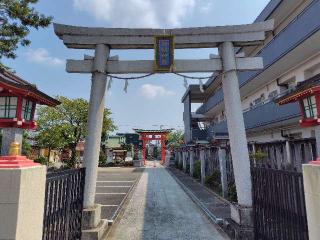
(137, 13)
(151, 91)
(206, 7)
(41, 55)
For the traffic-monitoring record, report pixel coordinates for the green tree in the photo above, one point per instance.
(66, 124)
(16, 19)
(175, 138)
(49, 136)
(26, 146)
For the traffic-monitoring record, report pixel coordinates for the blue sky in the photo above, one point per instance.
(150, 102)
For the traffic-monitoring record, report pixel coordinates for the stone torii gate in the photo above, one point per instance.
(226, 38)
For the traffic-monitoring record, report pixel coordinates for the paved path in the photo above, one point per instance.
(160, 210)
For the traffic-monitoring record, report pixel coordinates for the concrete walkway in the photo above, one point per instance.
(160, 209)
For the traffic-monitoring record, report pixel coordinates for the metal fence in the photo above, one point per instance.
(63, 205)
(279, 205)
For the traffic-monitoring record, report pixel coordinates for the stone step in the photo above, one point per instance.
(95, 233)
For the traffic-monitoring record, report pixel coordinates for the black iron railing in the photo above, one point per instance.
(63, 205)
(278, 204)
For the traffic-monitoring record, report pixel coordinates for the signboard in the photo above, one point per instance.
(164, 53)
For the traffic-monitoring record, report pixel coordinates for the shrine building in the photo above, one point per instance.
(18, 101)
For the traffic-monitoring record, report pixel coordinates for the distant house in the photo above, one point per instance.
(115, 144)
(133, 138)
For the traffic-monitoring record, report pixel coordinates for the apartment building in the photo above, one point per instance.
(291, 55)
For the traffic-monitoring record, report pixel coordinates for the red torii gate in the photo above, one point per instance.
(149, 135)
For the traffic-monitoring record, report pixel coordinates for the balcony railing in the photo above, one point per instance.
(199, 134)
(301, 28)
(264, 115)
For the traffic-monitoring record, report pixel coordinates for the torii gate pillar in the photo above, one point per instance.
(242, 212)
(94, 125)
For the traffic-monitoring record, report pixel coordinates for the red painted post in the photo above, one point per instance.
(163, 150)
(144, 143)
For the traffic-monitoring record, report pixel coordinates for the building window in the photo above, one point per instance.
(310, 107)
(8, 107)
(27, 106)
(273, 94)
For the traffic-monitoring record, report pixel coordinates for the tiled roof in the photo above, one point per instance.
(12, 82)
(153, 131)
(306, 85)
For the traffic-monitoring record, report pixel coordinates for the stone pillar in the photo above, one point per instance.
(241, 213)
(10, 135)
(178, 156)
(311, 176)
(168, 158)
(92, 225)
(109, 156)
(236, 129)
(22, 195)
(288, 152)
(223, 171)
(163, 151)
(254, 151)
(203, 166)
(94, 125)
(184, 160)
(191, 161)
(317, 133)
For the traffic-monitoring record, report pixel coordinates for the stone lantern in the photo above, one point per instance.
(18, 100)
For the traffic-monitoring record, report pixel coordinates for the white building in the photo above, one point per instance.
(291, 55)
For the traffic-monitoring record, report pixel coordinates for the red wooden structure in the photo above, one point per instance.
(307, 93)
(18, 99)
(149, 135)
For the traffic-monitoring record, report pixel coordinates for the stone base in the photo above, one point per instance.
(237, 232)
(242, 215)
(95, 233)
(93, 228)
(138, 163)
(22, 193)
(242, 222)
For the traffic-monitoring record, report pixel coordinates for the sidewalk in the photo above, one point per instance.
(160, 209)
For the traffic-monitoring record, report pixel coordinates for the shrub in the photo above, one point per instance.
(180, 165)
(176, 164)
(258, 155)
(128, 164)
(197, 170)
(188, 168)
(232, 192)
(214, 181)
(102, 159)
(42, 160)
(110, 164)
